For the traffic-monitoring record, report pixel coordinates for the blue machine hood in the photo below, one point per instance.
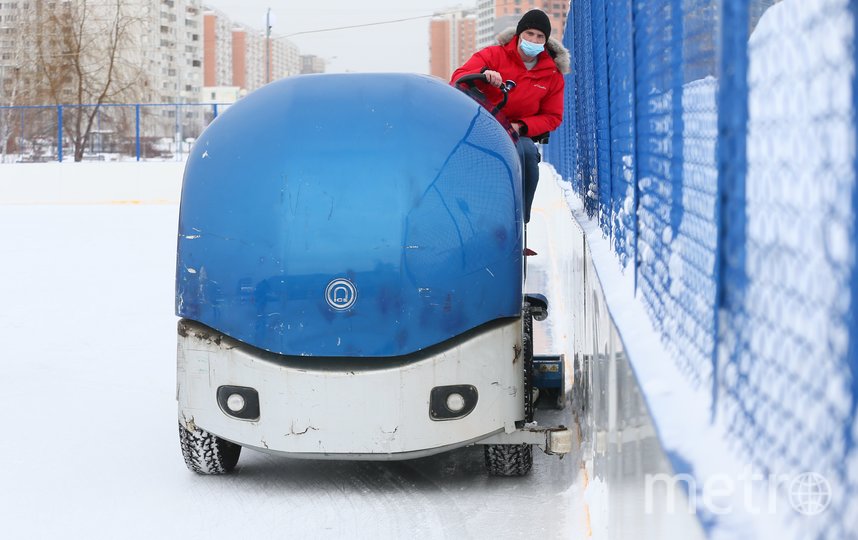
(350, 215)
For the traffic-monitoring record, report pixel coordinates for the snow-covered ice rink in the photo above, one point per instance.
(90, 446)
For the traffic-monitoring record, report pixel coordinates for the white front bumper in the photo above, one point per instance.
(373, 408)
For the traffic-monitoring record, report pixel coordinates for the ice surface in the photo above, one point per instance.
(90, 444)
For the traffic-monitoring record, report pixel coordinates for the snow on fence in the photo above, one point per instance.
(713, 142)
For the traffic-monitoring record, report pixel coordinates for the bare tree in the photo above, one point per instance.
(86, 57)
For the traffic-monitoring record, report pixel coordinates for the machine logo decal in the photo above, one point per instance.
(341, 294)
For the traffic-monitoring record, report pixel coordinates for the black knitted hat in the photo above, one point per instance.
(536, 19)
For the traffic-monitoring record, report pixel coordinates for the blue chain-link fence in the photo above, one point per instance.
(714, 141)
(118, 131)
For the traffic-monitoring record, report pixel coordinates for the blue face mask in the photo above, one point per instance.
(530, 49)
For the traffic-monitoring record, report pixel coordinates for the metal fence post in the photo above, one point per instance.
(587, 116)
(619, 144)
(100, 139)
(730, 276)
(633, 64)
(677, 158)
(137, 130)
(177, 136)
(214, 110)
(602, 114)
(60, 133)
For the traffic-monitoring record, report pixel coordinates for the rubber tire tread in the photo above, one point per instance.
(527, 350)
(508, 459)
(206, 453)
(517, 459)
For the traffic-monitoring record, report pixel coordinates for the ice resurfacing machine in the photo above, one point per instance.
(349, 279)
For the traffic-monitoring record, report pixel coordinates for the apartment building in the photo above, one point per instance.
(235, 55)
(16, 49)
(238, 47)
(452, 40)
(310, 63)
(508, 12)
(172, 52)
(285, 58)
(494, 16)
(175, 71)
(249, 57)
(161, 53)
(485, 23)
(174, 47)
(217, 49)
(450, 33)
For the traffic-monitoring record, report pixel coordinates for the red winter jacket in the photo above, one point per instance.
(537, 99)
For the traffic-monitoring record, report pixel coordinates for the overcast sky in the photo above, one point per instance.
(401, 46)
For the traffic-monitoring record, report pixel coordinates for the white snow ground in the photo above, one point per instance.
(90, 445)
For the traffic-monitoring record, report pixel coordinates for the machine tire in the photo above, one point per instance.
(206, 453)
(517, 459)
(527, 351)
(508, 459)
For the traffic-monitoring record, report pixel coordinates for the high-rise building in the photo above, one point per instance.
(282, 57)
(450, 33)
(439, 46)
(16, 50)
(168, 52)
(285, 58)
(485, 23)
(452, 40)
(217, 49)
(173, 47)
(158, 58)
(171, 35)
(235, 55)
(494, 16)
(239, 57)
(310, 63)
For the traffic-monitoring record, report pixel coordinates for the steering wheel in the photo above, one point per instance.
(471, 82)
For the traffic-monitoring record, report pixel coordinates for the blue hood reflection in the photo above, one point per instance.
(397, 184)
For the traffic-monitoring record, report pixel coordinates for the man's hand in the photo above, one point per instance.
(493, 77)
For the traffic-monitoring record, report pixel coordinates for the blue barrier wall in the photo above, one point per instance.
(714, 143)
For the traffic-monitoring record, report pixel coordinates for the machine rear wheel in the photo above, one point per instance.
(527, 351)
(206, 453)
(508, 459)
(517, 459)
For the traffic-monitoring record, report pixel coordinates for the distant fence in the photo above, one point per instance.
(150, 131)
(714, 142)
